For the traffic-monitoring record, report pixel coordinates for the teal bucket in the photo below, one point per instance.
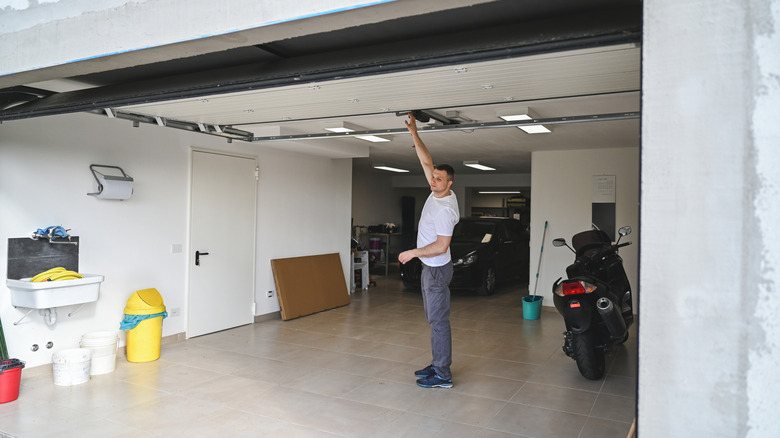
(532, 306)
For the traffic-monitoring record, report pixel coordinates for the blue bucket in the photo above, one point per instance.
(532, 306)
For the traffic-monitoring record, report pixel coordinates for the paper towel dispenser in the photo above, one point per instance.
(112, 186)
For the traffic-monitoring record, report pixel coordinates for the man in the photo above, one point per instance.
(434, 233)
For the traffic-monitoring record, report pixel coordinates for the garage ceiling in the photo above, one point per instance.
(463, 66)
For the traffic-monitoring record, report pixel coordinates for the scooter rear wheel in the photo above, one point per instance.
(590, 360)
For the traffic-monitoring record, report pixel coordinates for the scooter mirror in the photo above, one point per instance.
(559, 242)
(624, 231)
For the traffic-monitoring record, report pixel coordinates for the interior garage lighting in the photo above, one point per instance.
(525, 113)
(372, 138)
(391, 169)
(342, 127)
(345, 127)
(476, 165)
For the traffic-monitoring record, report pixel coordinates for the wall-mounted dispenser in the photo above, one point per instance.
(112, 186)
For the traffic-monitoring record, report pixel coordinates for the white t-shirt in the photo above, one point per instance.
(438, 218)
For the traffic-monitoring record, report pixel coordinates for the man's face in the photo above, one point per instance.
(440, 185)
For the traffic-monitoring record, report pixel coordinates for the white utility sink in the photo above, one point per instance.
(48, 294)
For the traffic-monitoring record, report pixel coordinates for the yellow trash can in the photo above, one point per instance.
(144, 314)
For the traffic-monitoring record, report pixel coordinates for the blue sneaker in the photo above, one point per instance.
(435, 382)
(425, 372)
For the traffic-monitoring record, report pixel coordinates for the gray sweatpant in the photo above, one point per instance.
(436, 300)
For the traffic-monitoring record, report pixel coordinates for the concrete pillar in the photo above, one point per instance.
(710, 199)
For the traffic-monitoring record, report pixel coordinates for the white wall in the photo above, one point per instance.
(304, 205)
(373, 199)
(561, 183)
(709, 331)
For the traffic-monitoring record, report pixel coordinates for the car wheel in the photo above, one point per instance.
(488, 285)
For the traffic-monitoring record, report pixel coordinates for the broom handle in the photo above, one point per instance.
(3, 348)
(539, 267)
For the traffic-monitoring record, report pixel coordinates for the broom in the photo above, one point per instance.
(539, 267)
(3, 348)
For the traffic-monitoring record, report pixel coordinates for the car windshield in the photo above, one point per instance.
(473, 231)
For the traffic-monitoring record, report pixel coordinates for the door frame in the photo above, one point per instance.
(190, 258)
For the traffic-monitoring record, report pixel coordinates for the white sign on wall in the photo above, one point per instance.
(603, 188)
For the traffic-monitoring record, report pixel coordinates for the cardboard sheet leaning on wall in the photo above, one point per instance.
(309, 284)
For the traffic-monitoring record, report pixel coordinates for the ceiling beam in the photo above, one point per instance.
(458, 127)
(232, 133)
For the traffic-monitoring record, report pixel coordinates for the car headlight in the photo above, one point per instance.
(469, 259)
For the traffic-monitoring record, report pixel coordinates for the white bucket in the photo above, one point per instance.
(103, 346)
(71, 367)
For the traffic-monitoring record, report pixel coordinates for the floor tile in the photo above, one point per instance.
(481, 385)
(538, 422)
(347, 372)
(397, 353)
(227, 389)
(500, 368)
(410, 425)
(449, 404)
(238, 423)
(566, 376)
(613, 407)
(174, 378)
(340, 416)
(392, 395)
(598, 428)
(556, 398)
(619, 385)
(273, 371)
(325, 382)
(166, 415)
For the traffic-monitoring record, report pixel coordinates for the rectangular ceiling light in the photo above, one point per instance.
(534, 129)
(525, 113)
(342, 127)
(476, 165)
(346, 127)
(391, 169)
(372, 138)
(505, 192)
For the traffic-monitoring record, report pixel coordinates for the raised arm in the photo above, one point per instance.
(422, 152)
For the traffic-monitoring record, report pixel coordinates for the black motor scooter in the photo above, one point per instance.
(595, 301)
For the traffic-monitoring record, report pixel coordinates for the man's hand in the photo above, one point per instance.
(440, 246)
(406, 256)
(411, 124)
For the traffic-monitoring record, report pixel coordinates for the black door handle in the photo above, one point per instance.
(197, 257)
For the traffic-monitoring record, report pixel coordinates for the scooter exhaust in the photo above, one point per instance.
(612, 318)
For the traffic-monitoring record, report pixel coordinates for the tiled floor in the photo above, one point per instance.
(347, 372)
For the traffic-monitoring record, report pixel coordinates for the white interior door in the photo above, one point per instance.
(222, 242)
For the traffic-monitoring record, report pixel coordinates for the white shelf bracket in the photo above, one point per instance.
(25, 316)
(77, 309)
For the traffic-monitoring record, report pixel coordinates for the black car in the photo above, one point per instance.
(485, 251)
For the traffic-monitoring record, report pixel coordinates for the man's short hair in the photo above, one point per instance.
(447, 168)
